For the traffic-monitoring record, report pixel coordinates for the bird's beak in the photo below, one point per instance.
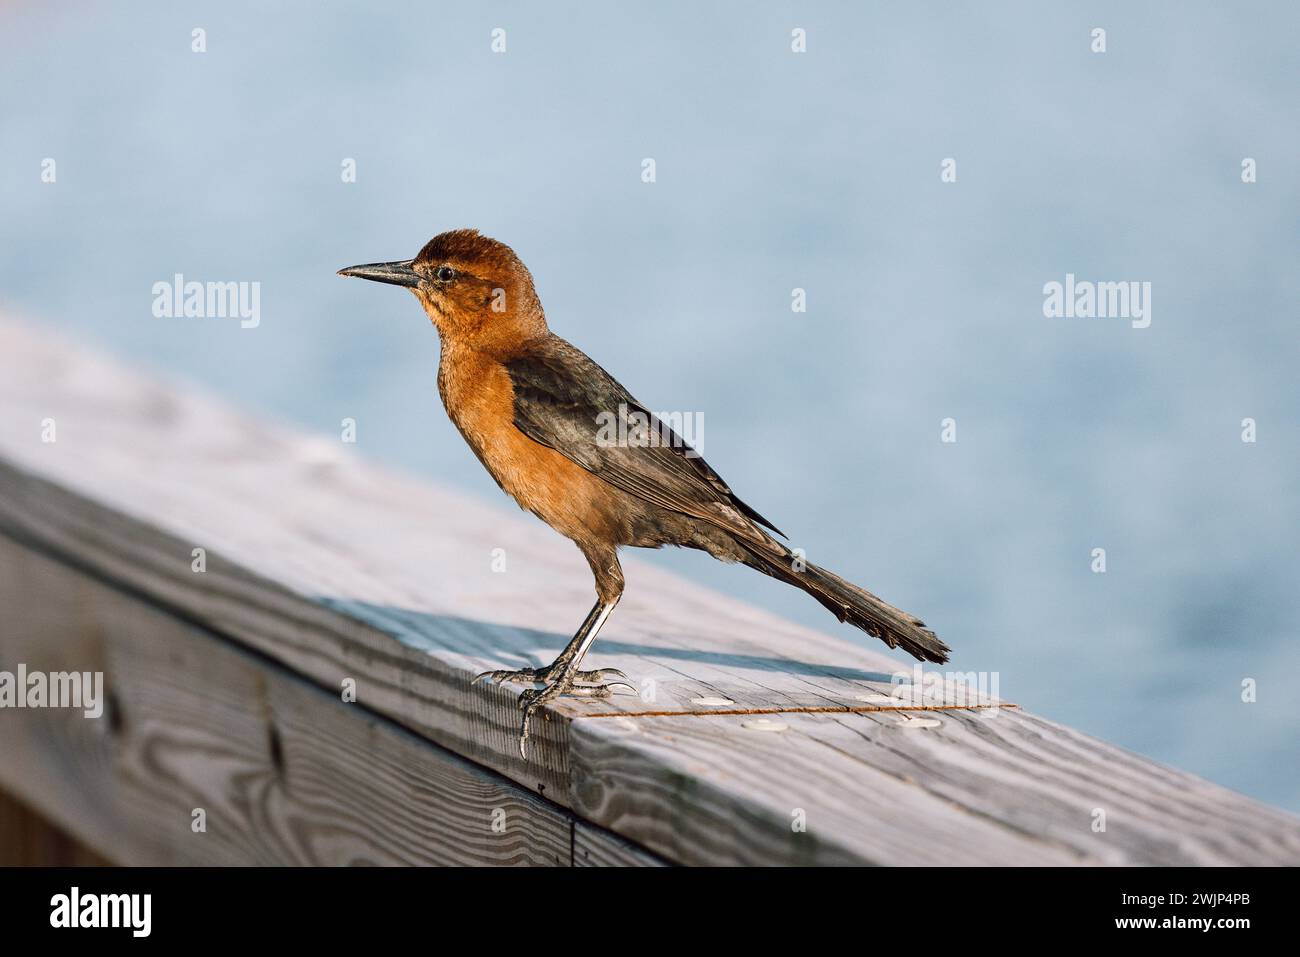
(397, 274)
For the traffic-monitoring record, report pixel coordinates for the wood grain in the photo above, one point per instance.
(1001, 788)
(283, 772)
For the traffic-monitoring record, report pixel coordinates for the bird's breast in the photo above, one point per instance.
(479, 397)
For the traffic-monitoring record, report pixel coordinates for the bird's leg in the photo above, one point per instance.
(562, 676)
(563, 673)
(572, 653)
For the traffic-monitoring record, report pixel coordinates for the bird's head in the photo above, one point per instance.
(475, 289)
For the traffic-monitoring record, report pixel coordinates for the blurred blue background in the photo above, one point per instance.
(775, 170)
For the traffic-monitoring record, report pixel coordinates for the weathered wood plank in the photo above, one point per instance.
(283, 772)
(339, 570)
(996, 788)
(794, 795)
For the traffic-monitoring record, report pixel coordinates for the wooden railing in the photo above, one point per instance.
(238, 584)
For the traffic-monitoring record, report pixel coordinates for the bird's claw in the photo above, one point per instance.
(524, 675)
(543, 676)
(600, 674)
(532, 699)
(529, 701)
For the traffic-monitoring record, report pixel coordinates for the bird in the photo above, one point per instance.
(537, 411)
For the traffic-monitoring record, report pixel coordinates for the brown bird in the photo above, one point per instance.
(537, 413)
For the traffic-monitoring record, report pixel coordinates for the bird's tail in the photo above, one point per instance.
(847, 601)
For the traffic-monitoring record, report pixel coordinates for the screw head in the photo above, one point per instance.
(907, 721)
(876, 698)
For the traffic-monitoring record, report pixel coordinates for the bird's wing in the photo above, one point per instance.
(566, 401)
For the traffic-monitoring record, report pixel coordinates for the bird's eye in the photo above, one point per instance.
(446, 274)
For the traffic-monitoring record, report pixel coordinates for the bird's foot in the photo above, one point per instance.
(547, 675)
(532, 699)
